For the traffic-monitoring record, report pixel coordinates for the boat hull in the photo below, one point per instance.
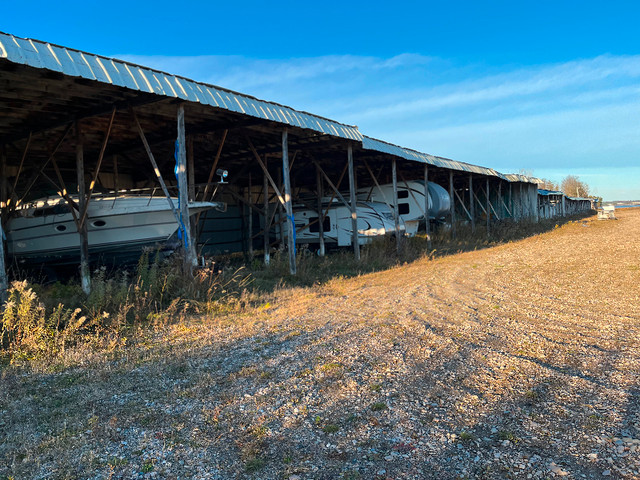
(119, 230)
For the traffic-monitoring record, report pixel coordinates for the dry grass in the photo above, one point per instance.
(516, 360)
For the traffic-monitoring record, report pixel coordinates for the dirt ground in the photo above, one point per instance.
(518, 361)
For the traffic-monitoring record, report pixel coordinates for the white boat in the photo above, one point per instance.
(411, 201)
(119, 228)
(374, 219)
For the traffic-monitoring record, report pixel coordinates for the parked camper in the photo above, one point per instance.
(374, 220)
(411, 201)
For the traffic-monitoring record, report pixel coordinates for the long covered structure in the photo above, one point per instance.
(75, 124)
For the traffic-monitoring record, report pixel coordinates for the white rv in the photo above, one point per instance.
(374, 219)
(411, 201)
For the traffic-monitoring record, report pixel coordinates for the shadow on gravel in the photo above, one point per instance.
(306, 403)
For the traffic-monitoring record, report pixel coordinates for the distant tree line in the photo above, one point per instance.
(571, 186)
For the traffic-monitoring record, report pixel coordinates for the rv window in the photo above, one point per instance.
(403, 208)
(403, 193)
(315, 227)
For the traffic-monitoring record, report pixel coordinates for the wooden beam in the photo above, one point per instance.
(191, 169)
(410, 190)
(286, 179)
(3, 271)
(37, 173)
(472, 207)
(154, 164)
(500, 197)
(505, 203)
(85, 274)
(250, 222)
(3, 180)
(267, 218)
(214, 166)
(479, 202)
(375, 181)
(396, 214)
(512, 212)
(115, 177)
(427, 226)
(188, 242)
(22, 158)
(73, 205)
(85, 210)
(266, 172)
(462, 204)
(319, 193)
(86, 114)
(333, 187)
(453, 205)
(488, 210)
(353, 206)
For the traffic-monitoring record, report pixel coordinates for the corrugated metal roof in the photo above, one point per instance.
(516, 177)
(369, 143)
(542, 191)
(76, 63)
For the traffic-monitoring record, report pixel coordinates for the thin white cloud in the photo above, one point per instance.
(578, 115)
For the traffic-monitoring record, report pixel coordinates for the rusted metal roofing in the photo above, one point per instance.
(369, 143)
(76, 63)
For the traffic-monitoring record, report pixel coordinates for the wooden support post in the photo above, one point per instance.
(3, 206)
(250, 220)
(154, 164)
(214, 166)
(83, 231)
(521, 202)
(564, 207)
(461, 200)
(286, 179)
(3, 181)
(191, 169)
(452, 205)
(472, 206)
(488, 210)
(534, 198)
(39, 172)
(427, 225)
(22, 159)
(504, 204)
(336, 192)
(375, 181)
(281, 212)
(353, 205)
(3, 270)
(319, 188)
(396, 214)
(85, 209)
(116, 179)
(511, 211)
(501, 201)
(188, 242)
(267, 218)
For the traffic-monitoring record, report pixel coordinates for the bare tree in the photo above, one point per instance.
(547, 184)
(574, 187)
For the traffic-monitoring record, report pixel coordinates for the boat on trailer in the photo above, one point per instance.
(374, 219)
(120, 229)
(411, 201)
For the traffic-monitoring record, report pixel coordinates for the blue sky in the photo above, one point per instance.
(552, 88)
